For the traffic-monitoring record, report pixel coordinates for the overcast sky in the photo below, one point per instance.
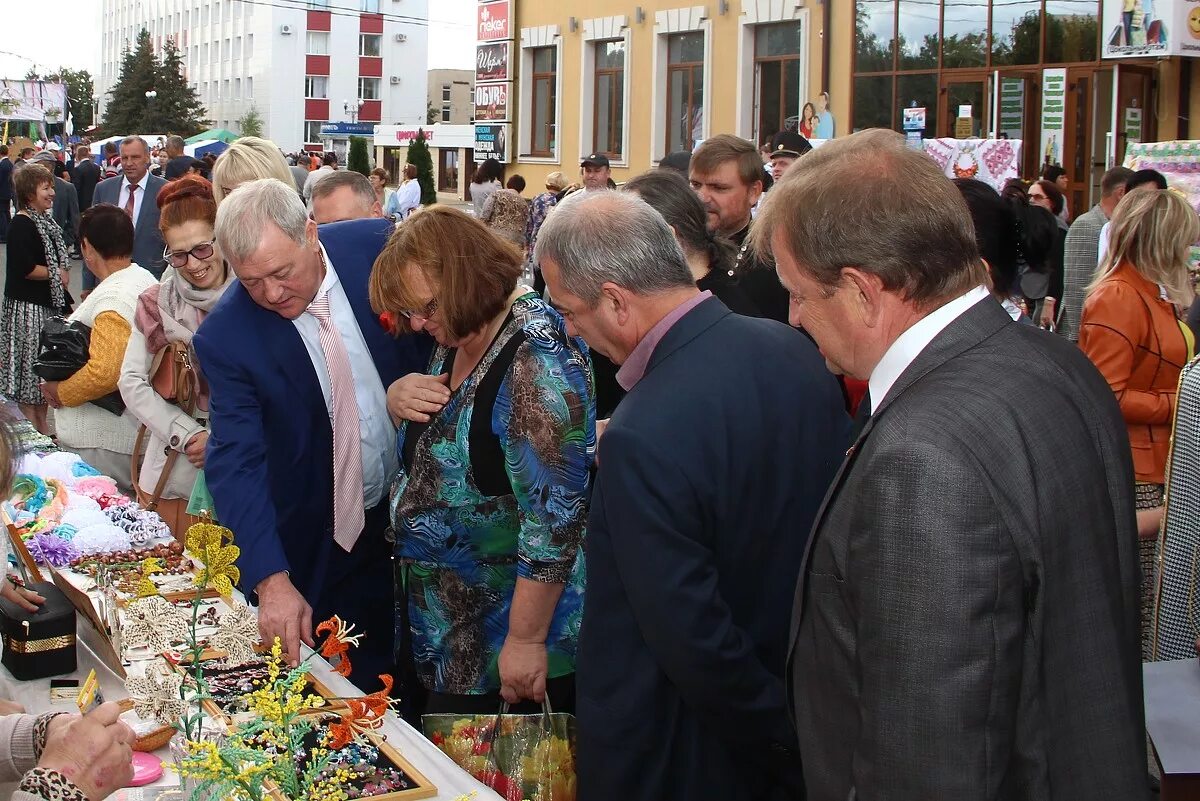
(73, 41)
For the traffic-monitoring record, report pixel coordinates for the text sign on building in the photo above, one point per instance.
(1054, 114)
(1012, 107)
(491, 102)
(1161, 28)
(494, 22)
(491, 142)
(493, 62)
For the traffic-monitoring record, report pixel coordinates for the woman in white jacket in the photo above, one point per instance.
(103, 439)
(171, 311)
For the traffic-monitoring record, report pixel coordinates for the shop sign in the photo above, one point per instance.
(1133, 125)
(493, 62)
(1161, 28)
(491, 142)
(336, 129)
(494, 22)
(1012, 108)
(914, 118)
(1054, 114)
(491, 101)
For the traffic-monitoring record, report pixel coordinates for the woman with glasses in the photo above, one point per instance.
(495, 443)
(85, 417)
(170, 312)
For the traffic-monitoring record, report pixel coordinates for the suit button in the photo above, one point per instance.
(175, 442)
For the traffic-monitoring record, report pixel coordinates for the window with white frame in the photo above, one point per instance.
(445, 114)
(312, 132)
(545, 99)
(369, 6)
(316, 87)
(609, 98)
(249, 88)
(685, 90)
(369, 44)
(317, 43)
(368, 88)
(445, 93)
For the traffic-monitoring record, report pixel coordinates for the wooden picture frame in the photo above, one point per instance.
(424, 788)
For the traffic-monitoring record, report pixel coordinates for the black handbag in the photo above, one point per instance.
(63, 350)
(42, 643)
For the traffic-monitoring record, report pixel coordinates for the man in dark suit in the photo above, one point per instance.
(283, 405)
(141, 205)
(710, 472)
(6, 192)
(86, 176)
(966, 621)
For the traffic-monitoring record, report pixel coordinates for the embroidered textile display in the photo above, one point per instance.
(992, 161)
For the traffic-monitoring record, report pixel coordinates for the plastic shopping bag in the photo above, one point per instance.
(201, 501)
(519, 756)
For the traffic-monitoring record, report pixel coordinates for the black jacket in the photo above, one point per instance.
(87, 175)
(6, 186)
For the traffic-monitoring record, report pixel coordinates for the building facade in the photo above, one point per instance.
(637, 82)
(451, 97)
(301, 65)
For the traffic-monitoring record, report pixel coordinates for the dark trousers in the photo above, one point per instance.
(358, 588)
(5, 218)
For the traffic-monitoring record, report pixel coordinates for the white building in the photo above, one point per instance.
(299, 62)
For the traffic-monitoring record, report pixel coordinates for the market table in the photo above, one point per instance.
(451, 781)
(1172, 693)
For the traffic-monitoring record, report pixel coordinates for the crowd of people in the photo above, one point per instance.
(766, 487)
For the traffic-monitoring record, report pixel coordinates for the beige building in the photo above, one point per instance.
(638, 81)
(451, 97)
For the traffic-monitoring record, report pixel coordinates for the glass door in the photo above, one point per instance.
(1017, 98)
(964, 112)
(1135, 119)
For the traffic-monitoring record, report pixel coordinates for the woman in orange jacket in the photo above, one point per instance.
(1132, 330)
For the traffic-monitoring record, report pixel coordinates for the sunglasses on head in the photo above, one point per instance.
(178, 258)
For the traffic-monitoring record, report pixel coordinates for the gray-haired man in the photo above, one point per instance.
(698, 515)
(344, 195)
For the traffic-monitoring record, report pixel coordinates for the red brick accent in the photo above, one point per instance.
(370, 67)
(316, 109)
(370, 23)
(318, 20)
(372, 111)
(316, 65)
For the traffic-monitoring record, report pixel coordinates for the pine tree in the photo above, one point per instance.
(419, 157)
(127, 105)
(177, 107)
(251, 124)
(358, 159)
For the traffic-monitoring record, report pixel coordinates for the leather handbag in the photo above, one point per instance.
(173, 376)
(63, 349)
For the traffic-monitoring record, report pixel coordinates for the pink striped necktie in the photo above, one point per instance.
(348, 514)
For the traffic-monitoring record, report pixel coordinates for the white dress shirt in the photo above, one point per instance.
(376, 432)
(905, 350)
(138, 196)
(1102, 250)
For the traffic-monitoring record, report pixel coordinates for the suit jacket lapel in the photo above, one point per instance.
(691, 325)
(975, 325)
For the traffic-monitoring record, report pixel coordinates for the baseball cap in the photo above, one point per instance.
(789, 144)
(54, 146)
(595, 160)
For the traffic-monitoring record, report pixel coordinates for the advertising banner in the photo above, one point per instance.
(1150, 28)
(491, 102)
(493, 62)
(491, 141)
(1012, 108)
(494, 22)
(1054, 114)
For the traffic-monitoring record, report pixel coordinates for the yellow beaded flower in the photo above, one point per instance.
(206, 542)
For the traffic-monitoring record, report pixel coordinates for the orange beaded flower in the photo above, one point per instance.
(338, 643)
(362, 715)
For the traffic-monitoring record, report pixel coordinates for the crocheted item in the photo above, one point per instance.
(65, 533)
(49, 549)
(95, 486)
(80, 519)
(155, 623)
(75, 502)
(100, 538)
(50, 785)
(156, 695)
(141, 525)
(236, 635)
(30, 492)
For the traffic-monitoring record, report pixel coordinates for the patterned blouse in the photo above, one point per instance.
(479, 503)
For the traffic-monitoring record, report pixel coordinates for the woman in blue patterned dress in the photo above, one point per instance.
(495, 445)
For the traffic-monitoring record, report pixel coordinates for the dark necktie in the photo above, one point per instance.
(861, 417)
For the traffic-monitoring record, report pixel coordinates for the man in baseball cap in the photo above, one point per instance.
(595, 171)
(786, 147)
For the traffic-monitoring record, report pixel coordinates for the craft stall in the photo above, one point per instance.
(156, 624)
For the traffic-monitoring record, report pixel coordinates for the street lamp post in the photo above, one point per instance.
(150, 95)
(352, 109)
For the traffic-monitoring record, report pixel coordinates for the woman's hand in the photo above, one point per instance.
(522, 671)
(194, 449)
(417, 396)
(25, 598)
(1047, 317)
(93, 751)
(50, 393)
(10, 707)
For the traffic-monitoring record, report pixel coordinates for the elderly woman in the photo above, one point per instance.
(507, 213)
(496, 442)
(405, 200)
(103, 439)
(1131, 330)
(171, 311)
(34, 288)
(248, 159)
(379, 178)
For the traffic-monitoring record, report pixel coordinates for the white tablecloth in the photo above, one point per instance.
(451, 781)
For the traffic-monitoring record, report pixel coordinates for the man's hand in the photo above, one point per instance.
(95, 751)
(416, 396)
(194, 449)
(22, 597)
(50, 393)
(523, 671)
(283, 613)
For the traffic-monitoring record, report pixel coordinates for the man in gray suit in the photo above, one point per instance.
(966, 620)
(141, 204)
(1082, 249)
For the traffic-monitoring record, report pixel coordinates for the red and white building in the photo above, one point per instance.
(301, 63)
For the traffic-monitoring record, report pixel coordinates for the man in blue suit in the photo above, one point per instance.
(141, 205)
(299, 365)
(710, 474)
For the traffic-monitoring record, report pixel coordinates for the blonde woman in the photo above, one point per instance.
(1131, 330)
(248, 159)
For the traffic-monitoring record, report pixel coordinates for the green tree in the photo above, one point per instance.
(419, 157)
(175, 108)
(431, 113)
(251, 124)
(81, 96)
(358, 159)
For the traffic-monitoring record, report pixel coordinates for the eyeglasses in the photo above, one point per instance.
(425, 312)
(178, 258)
